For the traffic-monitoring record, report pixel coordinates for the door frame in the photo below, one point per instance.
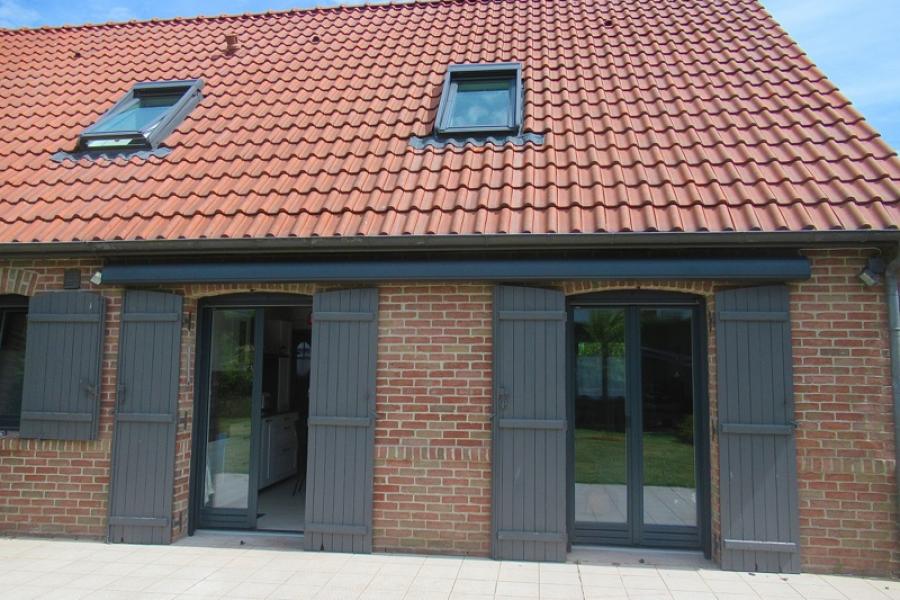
(229, 518)
(634, 533)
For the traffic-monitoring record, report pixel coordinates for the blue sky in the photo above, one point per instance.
(854, 41)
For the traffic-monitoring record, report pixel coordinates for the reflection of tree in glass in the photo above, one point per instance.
(606, 332)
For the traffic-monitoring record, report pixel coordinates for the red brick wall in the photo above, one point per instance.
(52, 487)
(432, 435)
(432, 468)
(848, 518)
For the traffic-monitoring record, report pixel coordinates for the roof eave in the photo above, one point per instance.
(570, 241)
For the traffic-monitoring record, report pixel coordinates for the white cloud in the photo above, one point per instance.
(13, 14)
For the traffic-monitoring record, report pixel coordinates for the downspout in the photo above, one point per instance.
(893, 300)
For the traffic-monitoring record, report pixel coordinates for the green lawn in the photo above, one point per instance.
(600, 458)
(237, 450)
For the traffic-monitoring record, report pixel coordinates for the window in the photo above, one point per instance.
(482, 99)
(143, 118)
(13, 318)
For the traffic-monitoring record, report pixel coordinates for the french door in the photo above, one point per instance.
(637, 449)
(232, 400)
(227, 444)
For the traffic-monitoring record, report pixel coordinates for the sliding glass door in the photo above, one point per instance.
(635, 456)
(232, 402)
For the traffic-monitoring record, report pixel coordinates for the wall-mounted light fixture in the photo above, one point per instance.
(872, 272)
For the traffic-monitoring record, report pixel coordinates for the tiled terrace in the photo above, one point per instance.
(212, 566)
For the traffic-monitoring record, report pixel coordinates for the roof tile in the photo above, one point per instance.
(665, 115)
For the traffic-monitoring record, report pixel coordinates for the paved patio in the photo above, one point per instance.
(220, 567)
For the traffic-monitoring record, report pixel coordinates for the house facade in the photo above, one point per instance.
(551, 274)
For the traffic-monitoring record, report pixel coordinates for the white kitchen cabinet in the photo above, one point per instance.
(278, 459)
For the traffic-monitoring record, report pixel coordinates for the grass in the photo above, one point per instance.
(600, 458)
(237, 450)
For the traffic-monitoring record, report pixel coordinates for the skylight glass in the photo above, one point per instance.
(481, 100)
(140, 113)
(143, 117)
(482, 103)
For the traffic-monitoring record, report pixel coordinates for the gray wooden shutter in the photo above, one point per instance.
(143, 455)
(341, 421)
(529, 471)
(757, 453)
(61, 388)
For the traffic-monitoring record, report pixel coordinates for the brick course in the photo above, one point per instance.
(433, 429)
(845, 451)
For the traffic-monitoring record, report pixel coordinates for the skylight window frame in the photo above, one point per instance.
(151, 135)
(480, 72)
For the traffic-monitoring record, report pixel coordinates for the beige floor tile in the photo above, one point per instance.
(474, 586)
(519, 572)
(250, 589)
(131, 583)
(168, 585)
(92, 581)
(565, 577)
(691, 595)
(461, 596)
(650, 582)
(604, 593)
(686, 583)
(27, 592)
(290, 591)
(211, 588)
(776, 590)
(822, 591)
(388, 582)
(440, 571)
(435, 584)
(414, 594)
(730, 586)
(521, 589)
(371, 594)
(481, 570)
(558, 591)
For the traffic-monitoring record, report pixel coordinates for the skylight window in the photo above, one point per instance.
(481, 100)
(143, 118)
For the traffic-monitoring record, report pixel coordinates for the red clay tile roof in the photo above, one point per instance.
(662, 115)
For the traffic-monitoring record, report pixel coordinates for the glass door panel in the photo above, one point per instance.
(667, 423)
(601, 445)
(229, 452)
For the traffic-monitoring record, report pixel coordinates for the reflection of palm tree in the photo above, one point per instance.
(606, 327)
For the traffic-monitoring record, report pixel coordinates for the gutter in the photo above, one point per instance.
(467, 242)
(893, 301)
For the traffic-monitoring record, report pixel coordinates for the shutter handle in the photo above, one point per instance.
(89, 389)
(502, 398)
(120, 393)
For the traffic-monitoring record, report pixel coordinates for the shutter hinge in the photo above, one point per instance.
(187, 320)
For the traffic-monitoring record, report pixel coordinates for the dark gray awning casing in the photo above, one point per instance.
(556, 269)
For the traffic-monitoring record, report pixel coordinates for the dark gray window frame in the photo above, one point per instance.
(11, 303)
(152, 134)
(200, 517)
(480, 72)
(635, 533)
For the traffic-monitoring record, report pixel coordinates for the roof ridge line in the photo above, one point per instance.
(353, 5)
